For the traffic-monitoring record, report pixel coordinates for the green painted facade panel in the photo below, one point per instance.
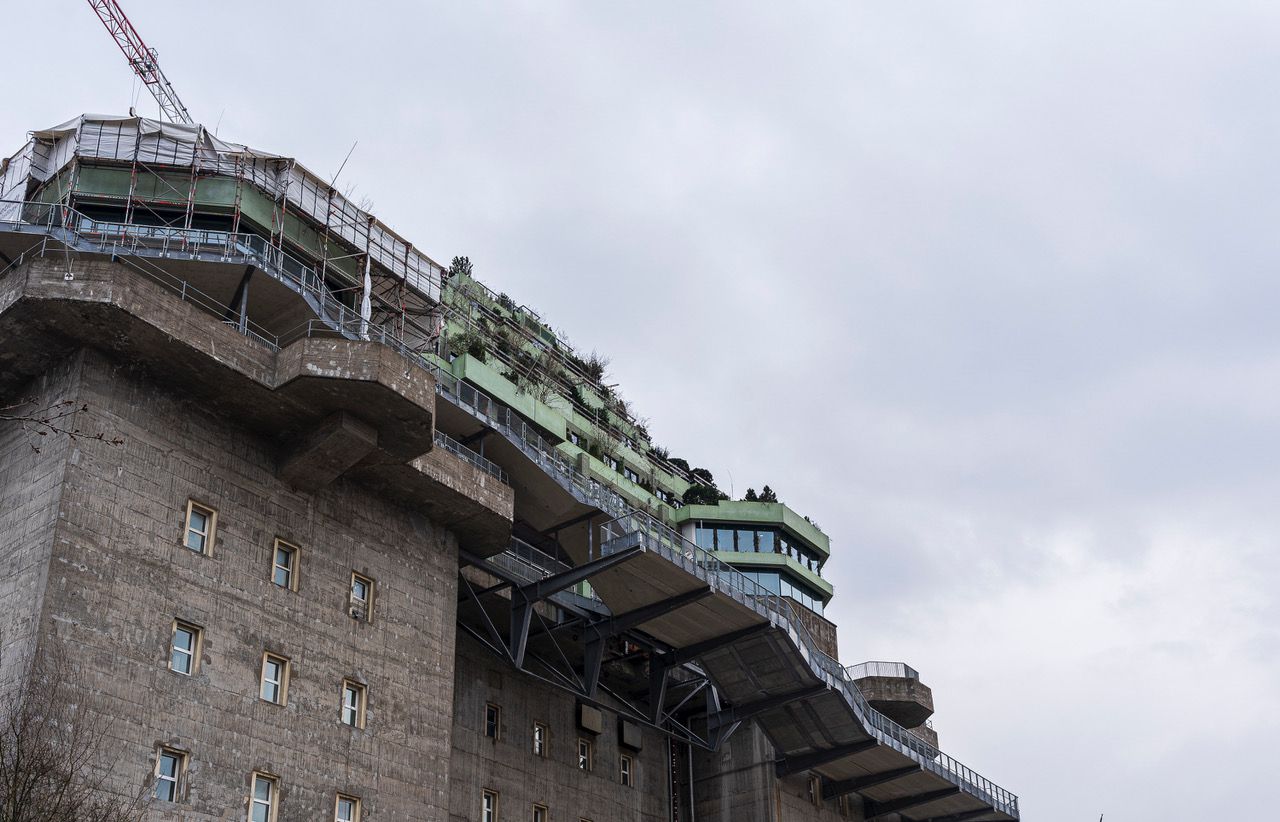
(759, 513)
(778, 562)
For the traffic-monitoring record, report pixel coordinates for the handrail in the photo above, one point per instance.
(901, 670)
(659, 537)
(451, 445)
(61, 223)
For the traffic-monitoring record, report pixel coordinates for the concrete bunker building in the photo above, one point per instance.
(379, 544)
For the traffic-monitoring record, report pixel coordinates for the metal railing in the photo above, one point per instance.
(901, 670)
(62, 223)
(456, 448)
(662, 539)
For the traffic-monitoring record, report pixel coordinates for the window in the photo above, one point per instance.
(361, 597)
(346, 809)
(631, 474)
(184, 648)
(815, 792)
(539, 739)
(201, 528)
(169, 769)
(353, 702)
(262, 802)
(275, 679)
(613, 462)
(626, 774)
(575, 437)
(584, 754)
(284, 565)
(539, 813)
(492, 720)
(489, 806)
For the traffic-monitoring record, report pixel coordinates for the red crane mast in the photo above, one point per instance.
(141, 59)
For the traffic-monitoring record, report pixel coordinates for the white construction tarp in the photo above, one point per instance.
(130, 139)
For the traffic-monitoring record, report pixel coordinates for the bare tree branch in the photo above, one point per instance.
(50, 420)
(49, 746)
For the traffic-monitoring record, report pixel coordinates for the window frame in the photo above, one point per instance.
(586, 763)
(355, 807)
(540, 740)
(295, 556)
(815, 791)
(544, 816)
(496, 723)
(362, 699)
(489, 804)
(179, 775)
(626, 770)
(370, 585)
(282, 686)
(208, 535)
(197, 644)
(273, 794)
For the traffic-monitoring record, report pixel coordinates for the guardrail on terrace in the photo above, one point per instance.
(60, 222)
(901, 670)
(456, 448)
(661, 538)
(169, 242)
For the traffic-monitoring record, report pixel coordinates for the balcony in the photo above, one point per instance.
(895, 690)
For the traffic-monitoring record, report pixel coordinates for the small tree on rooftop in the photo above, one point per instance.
(597, 365)
(751, 495)
(460, 265)
(767, 494)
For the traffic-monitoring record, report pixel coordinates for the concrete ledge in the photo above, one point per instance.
(385, 404)
(909, 702)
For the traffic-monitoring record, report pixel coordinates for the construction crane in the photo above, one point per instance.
(141, 59)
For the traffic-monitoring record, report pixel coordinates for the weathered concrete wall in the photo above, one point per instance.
(521, 778)
(821, 629)
(738, 783)
(119, 576)
(30, 491)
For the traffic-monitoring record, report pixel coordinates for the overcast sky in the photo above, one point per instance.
(987, 289)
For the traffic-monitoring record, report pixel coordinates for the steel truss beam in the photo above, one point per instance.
(741, 713)
(961, 817)
(789, 765)
(524, 597)
(876, 810)
(830, 790)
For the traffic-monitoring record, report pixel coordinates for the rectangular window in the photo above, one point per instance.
(201, 528)
(625, 771)
(764, 542)
(284, 565)
(346, 809)
(263, 802)
(706, 538)
(361, 597)
(539, 813)
(724, 539)
(574, 437)
(815, 791)
(275, 679)
(489, 806)
(184, 648)
(584, 754)
(353, 702)
(169, 771)
(492, 720)
(539, 739)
